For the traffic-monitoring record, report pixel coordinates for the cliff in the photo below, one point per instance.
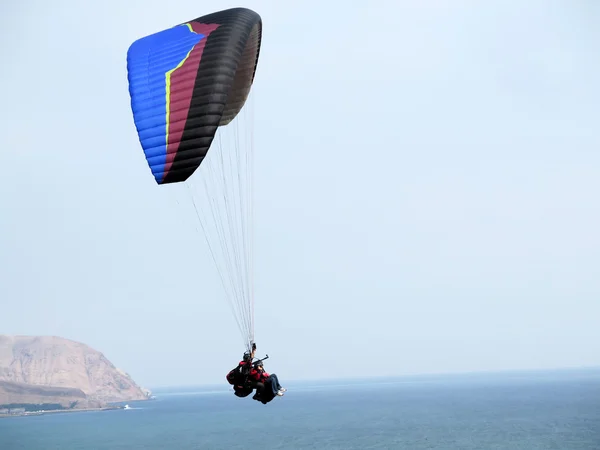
(53, 370)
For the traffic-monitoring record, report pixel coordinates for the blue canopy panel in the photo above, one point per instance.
(162, 70)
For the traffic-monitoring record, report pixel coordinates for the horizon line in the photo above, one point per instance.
(405, 376)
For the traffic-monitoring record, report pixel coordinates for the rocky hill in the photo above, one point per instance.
(53, 370)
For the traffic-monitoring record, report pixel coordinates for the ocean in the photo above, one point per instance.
(529, 411)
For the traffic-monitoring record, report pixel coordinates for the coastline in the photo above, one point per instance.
(109, 407)
(58, 411)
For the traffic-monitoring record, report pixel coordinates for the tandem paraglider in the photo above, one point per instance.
(250, 375)
(188, 86)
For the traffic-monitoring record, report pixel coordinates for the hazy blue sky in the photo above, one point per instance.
(427, 194)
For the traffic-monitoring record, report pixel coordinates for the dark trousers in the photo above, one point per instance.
(272, 383)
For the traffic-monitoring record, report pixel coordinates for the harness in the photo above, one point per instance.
(239, 376)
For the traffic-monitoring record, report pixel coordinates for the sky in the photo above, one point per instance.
(426, 196)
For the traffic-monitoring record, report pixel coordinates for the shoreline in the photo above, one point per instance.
(58, 411)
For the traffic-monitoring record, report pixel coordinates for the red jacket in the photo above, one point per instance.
(259, 375)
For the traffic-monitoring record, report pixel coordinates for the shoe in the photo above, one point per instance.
(283, 389)
(279, 393)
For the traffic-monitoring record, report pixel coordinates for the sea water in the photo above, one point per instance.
(529, 411)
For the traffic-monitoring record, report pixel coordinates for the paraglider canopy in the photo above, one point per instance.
(187, 81)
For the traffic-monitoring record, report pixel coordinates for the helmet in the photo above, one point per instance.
(247, 356)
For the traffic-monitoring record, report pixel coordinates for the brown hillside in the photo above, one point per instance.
(38, 367)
